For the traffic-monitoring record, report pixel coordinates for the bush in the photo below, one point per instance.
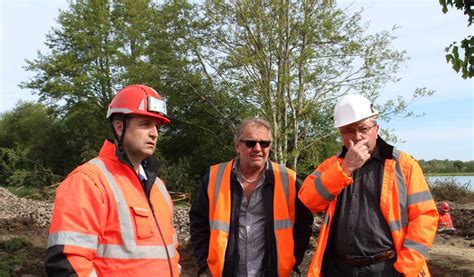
(179, 182)
(14, 245)
(451, 190)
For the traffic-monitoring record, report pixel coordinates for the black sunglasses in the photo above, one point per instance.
(252, 143)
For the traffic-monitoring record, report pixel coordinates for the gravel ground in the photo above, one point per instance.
(451, 255)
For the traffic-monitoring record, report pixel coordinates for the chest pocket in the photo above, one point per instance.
(143, 222)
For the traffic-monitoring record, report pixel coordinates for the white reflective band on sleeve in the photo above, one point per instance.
(156, 105)
(93, 273)
(320, 188)
(418, 247)
(74, 239)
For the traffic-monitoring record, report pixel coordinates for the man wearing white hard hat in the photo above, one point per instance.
(380, 216)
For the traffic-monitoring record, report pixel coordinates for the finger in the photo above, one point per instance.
(351, 144)
(362, 142)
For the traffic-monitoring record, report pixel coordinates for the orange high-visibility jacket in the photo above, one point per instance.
(445, 221)
(405, 201)
(219, 194)
(103, 224)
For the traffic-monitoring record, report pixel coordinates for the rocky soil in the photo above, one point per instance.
(451, 254)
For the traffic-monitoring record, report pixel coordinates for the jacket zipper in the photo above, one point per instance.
(161, 235)
(147, 196)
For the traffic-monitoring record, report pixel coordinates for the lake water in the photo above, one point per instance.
(458, 179)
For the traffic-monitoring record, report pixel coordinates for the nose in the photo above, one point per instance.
(154, 132)
(257, 147)
(357, 135)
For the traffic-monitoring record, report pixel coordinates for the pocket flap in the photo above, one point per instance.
(141, 211)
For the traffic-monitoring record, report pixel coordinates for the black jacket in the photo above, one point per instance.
(200, 231)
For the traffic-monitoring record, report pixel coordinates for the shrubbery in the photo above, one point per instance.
(451, 190)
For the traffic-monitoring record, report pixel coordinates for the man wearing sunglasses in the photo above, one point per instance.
(246, 219)
(380, 216)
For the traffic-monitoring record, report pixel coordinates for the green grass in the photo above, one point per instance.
(43, 194)
(23, 191)
(450, 174)
(13, 255)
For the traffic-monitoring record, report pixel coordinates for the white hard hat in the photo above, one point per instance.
(352, 108)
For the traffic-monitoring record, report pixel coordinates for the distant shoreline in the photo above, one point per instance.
(450, 174)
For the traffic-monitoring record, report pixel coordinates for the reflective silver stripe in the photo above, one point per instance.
(285, 180)
(419, 197)
(418, 247)
(320, 187)
(402, 189)
(129, 249)
(117, 110)
(395, 225)
(93, 273)
(219, 225)
(217, 185)
(73, 238)
(283, 224)
(162, 188)
(125, 221)
(115, 251)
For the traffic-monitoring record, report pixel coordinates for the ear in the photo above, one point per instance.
(118, 127)
(237, 148)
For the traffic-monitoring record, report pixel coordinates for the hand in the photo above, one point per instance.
(356, 156)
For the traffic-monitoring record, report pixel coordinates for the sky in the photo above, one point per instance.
(446, 131)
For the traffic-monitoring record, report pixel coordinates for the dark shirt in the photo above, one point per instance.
(359, 228)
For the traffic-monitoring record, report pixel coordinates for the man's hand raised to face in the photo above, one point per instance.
(357, 154)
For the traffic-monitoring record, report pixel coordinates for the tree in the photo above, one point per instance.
(464, 64)
(27, 135)
(290, 61)
(101, 46)
(98, 48)
(216, 62)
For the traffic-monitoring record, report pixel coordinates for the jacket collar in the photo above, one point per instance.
(385, 149)
(110, 151)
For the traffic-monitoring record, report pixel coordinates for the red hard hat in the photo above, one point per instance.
(139, 100)
(444, 206)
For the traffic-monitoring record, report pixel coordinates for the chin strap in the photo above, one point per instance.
(120, 149)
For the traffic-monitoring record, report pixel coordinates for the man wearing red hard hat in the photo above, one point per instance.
(445, 222)
(113, 215)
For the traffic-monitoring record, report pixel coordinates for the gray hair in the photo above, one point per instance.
(251, 120)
